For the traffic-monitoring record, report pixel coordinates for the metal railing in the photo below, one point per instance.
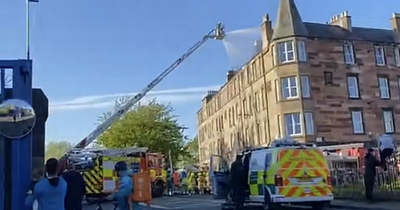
(349, 184)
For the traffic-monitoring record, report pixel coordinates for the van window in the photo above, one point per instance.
(219, 164)
(268, 159)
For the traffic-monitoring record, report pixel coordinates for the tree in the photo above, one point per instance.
(56, 149)
(152, 125)
(192, 150)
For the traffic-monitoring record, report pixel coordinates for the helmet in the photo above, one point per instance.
(121, 166)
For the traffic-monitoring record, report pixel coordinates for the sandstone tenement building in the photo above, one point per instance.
(313, 81)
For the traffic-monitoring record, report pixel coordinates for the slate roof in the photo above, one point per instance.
(319, 30)
(289, 24)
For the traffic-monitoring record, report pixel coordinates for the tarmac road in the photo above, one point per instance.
(12, 129)
(198, 202)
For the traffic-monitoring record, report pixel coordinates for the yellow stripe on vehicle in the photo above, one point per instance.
(298, 163)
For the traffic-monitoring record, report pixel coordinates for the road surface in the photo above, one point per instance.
(201, 202)
(10, 128)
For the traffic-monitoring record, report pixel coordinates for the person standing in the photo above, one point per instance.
(238, 181)
(49, 192)
(125, 187)
(386, 147)
(170, 183)
(369, 174)
(37, 175)
(75, 190)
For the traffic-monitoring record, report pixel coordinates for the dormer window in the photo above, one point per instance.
(286, 52)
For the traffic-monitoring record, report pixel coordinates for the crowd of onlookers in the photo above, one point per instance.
(51, 189)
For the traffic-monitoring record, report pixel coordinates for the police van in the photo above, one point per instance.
(286, 172)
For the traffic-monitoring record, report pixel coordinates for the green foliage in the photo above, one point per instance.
(192, 149)
(152, 125)
(56, 149)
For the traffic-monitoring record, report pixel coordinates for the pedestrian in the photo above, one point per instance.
(238, 181)
(369, 174)
(123, 194)
(75, 190)
(386, 147)
(170, 183)
(50, 191)
(37, 174)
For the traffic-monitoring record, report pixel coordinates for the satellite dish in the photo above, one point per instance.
(17, 118)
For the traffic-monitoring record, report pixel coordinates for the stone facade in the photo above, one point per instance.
(329, 83)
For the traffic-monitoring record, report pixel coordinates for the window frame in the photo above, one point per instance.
(396, 55)
(328, 75)
(392, 119)
(387, 86)
(280, 130)
(293, 124)
(357, 86)
(301, 50)
(305, 89)
(349, 54)
(361, 117)
(398, 84)
(285, 52)
(309, 127)
(383, 55)
(289, 87)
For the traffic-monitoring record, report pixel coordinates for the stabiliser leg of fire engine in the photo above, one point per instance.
(16, 162)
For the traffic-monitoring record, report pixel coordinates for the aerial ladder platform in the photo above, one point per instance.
(217, 33)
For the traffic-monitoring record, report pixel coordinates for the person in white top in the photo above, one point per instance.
(387, 146)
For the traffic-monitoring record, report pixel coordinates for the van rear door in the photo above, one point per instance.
(302, 172)
(219, 176)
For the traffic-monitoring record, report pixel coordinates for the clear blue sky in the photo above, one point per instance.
(94, 48)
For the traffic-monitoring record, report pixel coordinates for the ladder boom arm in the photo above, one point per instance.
(216, 33)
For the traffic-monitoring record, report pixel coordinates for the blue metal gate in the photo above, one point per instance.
(15, 154)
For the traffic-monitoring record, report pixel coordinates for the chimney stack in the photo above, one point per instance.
(257, 46)
(343, 20)
(230, 74)
(266, 31)
(395, 23)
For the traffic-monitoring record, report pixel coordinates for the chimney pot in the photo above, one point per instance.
(265, 18)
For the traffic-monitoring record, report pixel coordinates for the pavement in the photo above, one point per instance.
(206, 202)
(20, 128)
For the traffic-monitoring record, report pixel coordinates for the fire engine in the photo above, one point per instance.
(217, 33)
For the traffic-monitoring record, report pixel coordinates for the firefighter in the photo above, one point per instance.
(201, 181)
(369, 175)
(49, 192)
(125, 186)
(170, 184)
